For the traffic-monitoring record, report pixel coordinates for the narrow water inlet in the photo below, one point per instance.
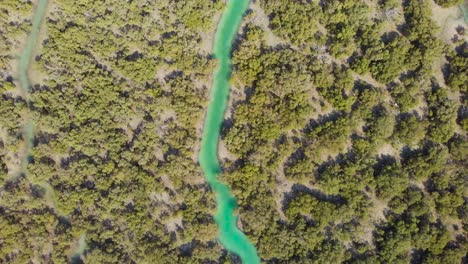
(23, 69)
(27, 52)
(230, 235)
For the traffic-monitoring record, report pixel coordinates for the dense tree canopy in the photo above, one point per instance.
(344, 141)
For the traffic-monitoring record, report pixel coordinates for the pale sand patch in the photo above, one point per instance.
(195, 149)
(437, 70)
(379, 209)
(223, 152)
(134, 122)
(167, 114)
(448, 19)
(388, 150)
(58, 157)
(167, 182)
(161, 197)
(261, 19)
(173, 223)
(377, 215)
(3, 135)
(451, 223)
(368, 79)
(13, 161)
(321, 106)
(161, 74)
(206, 46)
(158, 153)
(421, 107)
(282, 187)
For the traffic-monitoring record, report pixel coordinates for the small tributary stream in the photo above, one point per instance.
(23, 69)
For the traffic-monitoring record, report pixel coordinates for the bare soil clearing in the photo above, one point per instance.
(448, 19)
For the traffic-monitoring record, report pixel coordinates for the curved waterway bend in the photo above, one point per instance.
(27, 52)
(230, 236)
(23, 68)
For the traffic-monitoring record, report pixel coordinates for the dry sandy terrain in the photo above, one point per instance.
(448, 19)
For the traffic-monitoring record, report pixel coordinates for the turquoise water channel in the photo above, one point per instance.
(230, 235)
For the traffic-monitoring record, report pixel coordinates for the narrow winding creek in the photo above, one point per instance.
(464, 11)
(230, 236)
(23, 69)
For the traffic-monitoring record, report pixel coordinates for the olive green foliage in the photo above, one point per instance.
(343, 20)
(343, 142)
(405, 94)
(458, 72)
(410, 129)
(448, 3)
(338, 94)
(423, 163)
(195, 14)
(420, 30)
(380, 125)
(391, 181)
(386, 63)
(442, 115)
(294, 21)
(331, 136)
(118, 92)
(360, 171)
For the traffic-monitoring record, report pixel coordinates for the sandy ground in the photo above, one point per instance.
(388, 150)
(282, 187)
(173, 223)
(448, 19)
(260, 19)
(421, 107)
(223, 152)
(208, 37)
(377, 215)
